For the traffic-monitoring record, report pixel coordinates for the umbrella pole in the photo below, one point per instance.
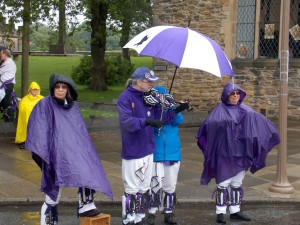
(173, 79)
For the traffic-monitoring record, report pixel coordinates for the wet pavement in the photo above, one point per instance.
(271, 213)
(20, 198)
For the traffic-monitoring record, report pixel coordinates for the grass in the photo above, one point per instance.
(41, 67)
(142, 61)
(86, 113)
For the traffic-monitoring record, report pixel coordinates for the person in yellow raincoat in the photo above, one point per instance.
(25, 107)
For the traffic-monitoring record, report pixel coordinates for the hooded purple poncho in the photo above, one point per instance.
(234, 138)
(58, 135)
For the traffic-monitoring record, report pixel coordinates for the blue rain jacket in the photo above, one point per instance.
(167, 141)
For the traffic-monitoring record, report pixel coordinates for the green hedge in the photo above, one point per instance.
(118, 70)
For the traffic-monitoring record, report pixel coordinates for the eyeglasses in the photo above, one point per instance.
(63, 86)
(235, 93)
(146, 81)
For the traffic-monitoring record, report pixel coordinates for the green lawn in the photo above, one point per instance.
(41, 67)
(87, 113)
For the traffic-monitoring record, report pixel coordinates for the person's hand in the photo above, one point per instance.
(181, 107)
(154, 123)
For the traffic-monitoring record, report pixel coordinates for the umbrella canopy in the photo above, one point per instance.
(183, 47)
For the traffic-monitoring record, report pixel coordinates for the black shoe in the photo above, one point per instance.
(151, 219)
(90, 213)
(130, 223)
(142, 222)
(221, 218)
(170, 218)
(240, 216)
(22, 145)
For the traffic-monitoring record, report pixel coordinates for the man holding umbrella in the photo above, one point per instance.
(139, 114)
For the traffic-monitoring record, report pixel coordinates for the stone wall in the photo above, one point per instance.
(200, 88)
(216, 19)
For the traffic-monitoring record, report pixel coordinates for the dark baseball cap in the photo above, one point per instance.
(144, 73)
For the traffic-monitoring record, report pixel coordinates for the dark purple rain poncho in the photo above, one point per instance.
(58, 135)
(234, 138)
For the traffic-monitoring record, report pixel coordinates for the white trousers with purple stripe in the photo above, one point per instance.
(136, 176)
(165, 177)
(236, 182)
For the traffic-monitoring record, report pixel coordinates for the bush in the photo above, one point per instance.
(118, 70)
(81, 74)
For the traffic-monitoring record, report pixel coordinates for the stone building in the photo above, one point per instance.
(11, 39)
(249, 31)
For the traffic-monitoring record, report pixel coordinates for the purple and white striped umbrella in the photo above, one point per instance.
(183, 47)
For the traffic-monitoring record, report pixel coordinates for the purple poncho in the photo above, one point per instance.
(234, 138)
(59, 136)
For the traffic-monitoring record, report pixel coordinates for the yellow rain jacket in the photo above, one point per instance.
(25, 107)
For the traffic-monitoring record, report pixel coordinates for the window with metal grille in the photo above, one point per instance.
(258, 28)
(245, 32)
(294, 37)
(267, 28)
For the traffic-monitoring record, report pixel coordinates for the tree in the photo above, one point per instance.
(62, 27)
(25, 48)
(131, 16)
(97, 11)
(67, 10)
(28, 11)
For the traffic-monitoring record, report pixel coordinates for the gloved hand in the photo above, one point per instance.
(181, 107)
(154, 123)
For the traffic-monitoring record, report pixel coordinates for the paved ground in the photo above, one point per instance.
(187, 214)
(20, 177)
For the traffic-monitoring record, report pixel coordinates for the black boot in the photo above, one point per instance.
(221, 218)
(130, 223)
(142, 222)
(8, 115)
(86, 196)
(170, 218)
(151, 219)
(22, 145)
(240, 216)
(52, 216)
(90, 213)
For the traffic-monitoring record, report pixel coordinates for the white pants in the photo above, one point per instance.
(136, 176)
(49, 201)
(236, 182)
(165, 177)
